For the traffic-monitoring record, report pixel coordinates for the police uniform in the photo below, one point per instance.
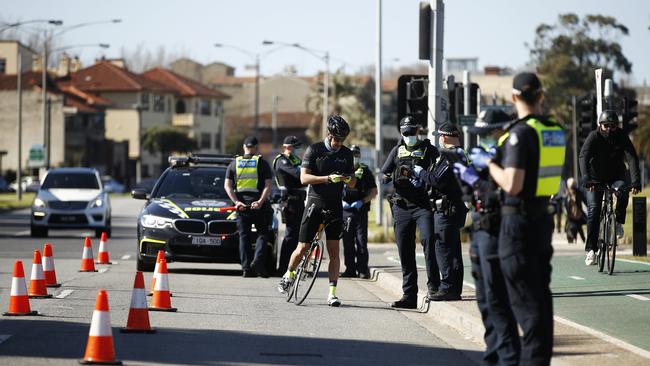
(411, 208)
(287, 175)
(249, 172)
(535, 144)
(355, 239)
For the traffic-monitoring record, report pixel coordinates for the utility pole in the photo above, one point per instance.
(466, 107)
(274, 121)
(574, 139)
(46, 143)
(435, 66)
(326, 91)
(257, 94)
(378, 139)
(19, 88)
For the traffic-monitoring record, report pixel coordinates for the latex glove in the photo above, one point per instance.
(347, 180)
(346, 206)
(417, 170)
(479, 157)
(467, 174)
(357, 205)
(359, 172)
(335, 178)
(416, 182)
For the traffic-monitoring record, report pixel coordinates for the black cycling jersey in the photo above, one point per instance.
(320, 161)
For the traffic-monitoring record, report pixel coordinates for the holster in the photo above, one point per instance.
(489, 222)
(442, 204)
(395, 199)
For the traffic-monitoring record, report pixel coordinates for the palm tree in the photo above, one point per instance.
(165, 140)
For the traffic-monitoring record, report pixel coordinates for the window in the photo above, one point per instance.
(206, 140)
(144, 101)
(158, 103)
(218, 108)
(57, 180)
(205, 107)
(3, 65)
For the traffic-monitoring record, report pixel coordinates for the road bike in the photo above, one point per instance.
(607, 229)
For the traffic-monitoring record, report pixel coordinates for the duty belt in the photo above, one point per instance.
(524, 208)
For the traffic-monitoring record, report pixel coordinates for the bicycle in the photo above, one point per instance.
(307, 269)
(607, 231)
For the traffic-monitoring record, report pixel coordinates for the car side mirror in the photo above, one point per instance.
(139, 194)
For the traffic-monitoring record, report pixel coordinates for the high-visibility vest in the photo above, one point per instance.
(552, 146)
(246, 171)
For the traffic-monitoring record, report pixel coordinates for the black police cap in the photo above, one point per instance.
(250, 141)
(292, 140)
(448, 129)
(408, 122)
(526, 83)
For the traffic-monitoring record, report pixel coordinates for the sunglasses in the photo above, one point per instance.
(608, 125)
(338, 139)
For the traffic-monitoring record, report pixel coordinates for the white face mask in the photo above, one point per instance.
(410, 140)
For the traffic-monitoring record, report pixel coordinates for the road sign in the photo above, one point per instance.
(36, 156)
(467, 120)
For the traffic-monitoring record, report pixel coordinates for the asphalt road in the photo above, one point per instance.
(222, 318)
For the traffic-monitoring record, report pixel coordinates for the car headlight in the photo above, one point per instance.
(155, 222)
(96, 203)
(39, 203)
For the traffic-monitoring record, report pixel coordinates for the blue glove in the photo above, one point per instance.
(479, 157)
(467, 174)
(417, 170)
(416, 182)
(346, 206)
(356, 205)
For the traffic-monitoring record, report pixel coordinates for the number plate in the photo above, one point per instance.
(68, 219)
(206, 240)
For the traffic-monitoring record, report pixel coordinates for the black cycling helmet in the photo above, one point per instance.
(337, 126)
(608, 116)
(355, 150)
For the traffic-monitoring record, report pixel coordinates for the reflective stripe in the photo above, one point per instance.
(48, 264)
(552, 145)
(549, 171)
(18, 286)
(100, 325)
(37, 272)
(162, 283)
(402, 152)
(88, 253)
(138, 299)
(246, 172)
(102, 248)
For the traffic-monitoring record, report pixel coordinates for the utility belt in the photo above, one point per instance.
(402, 202)
(488, 221)
(293, 195)
(530, 208)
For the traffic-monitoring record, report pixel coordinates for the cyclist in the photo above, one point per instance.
(326, 167)
(602, 161)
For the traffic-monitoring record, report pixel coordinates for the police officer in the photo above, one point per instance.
(501, 337)
(248, 184)
(287, 175)
(528, 172)
(449, 212)
(356, 204)
(411, 208)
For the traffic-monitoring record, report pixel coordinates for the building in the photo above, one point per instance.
(9, 51)
(199, 72)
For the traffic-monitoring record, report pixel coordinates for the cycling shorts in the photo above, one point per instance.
(313, 217)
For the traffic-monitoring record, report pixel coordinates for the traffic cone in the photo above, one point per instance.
(161, 299)
(100, 349)
(37, 288)
(161, 255)
(138, 321)
(19, 301)
(48, 266)
(87, 264)
(102, 256)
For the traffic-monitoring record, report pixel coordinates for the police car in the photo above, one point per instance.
(189, 215)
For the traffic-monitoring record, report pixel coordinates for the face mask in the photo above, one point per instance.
(604, 134)
(410, 140)
(488, 141)
(329, 146)
(297, 151)
(356, 161)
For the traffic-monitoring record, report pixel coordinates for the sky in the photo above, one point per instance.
(494, 31)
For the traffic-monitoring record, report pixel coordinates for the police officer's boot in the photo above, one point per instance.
(406, 302)
(444, 296)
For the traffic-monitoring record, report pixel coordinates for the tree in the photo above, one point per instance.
(166, 140)
(567, 53)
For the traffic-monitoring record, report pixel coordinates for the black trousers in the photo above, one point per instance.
(355, 240)
(448, 248)
(292, 214)
(525, 253)
(594, 208)
(247, 218)
(501, 336)
(408, 217)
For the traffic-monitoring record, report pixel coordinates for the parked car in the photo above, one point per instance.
(4, 186)
(71, 198)
(26, 182)
(112, 186)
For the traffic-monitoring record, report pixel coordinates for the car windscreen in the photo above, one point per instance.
(192, 183)
(70, 180)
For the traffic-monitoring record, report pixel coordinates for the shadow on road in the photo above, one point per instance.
(203, 346)
(206, 271)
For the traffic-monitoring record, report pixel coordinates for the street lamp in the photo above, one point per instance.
(323, 56)
(18, 24)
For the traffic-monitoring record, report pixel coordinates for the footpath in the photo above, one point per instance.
(599, 319)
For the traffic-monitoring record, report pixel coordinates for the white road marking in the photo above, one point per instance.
(63, 294)
(638, 297)
(632, 261)
(103, 270)
(4, 337)
(577, 278)
(126, 257)
(23, 233)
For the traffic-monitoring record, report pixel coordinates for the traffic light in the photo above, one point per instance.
(630, 114)
(587, 118)
(413, 98)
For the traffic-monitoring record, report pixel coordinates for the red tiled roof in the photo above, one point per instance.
(30, 80)
(285, 120)
(182, 85)
(72, 101)
(87, 97)
(106, 77)
(238, 80)
(389, 85)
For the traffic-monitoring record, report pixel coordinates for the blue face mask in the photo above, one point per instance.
(297, 151)
(410, 140)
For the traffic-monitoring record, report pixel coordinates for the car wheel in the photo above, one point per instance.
(143, 266)
(38, 232)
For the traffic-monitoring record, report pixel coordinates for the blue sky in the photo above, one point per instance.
(495, 31)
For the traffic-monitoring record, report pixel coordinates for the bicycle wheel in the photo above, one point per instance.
(602, 244)
(611, 245)
(307, 272)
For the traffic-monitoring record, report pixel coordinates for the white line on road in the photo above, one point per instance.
(103, 270)
(577, 278)
(63, 294)
(638, 297)
(23, 233)
(126, 257)
(4, 337)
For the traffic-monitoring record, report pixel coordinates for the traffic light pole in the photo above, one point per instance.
(574, 138)
(435, 67)
(378, 139)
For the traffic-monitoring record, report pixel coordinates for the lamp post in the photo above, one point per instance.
(323, 56)
(18, 24)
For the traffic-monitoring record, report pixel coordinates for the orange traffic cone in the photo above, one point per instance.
(138, 321)
(48, 266)
(87, 264)
(161, 300)
(102, 256)
(100, 349)
(37, 289)
(161, 255)
(19, 301)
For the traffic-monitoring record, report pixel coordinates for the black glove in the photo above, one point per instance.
(386, 179)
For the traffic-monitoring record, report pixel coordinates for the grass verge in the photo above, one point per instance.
(8, 201)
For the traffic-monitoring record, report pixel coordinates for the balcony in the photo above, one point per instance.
(183, 120)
